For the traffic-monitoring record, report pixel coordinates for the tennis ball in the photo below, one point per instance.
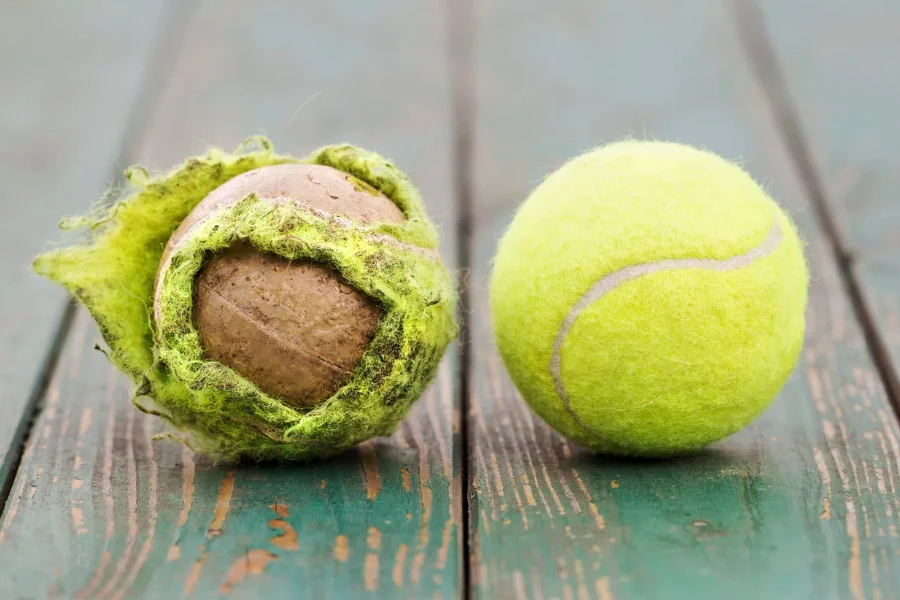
(648, 299)
(267, 306)
(294, 328)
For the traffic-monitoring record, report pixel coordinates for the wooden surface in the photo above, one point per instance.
(845, 135)
(804, 503)
(99, 512)
(63, 116)
(476, 100)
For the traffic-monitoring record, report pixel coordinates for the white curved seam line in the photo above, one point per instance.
(611, 281)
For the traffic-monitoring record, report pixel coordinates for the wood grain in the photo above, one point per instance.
(152, 520)
(63, 114)
(803, 503)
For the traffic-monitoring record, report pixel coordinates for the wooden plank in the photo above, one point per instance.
(833, 81)
(63, 114)
(802, 504)
(111, 514)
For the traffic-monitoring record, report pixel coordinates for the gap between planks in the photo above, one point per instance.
(166, 46)
(460, 27)
(756, 43)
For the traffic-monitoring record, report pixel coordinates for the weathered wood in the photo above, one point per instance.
(831, 75)
(70, 76)
(804, 503)
(97, 511)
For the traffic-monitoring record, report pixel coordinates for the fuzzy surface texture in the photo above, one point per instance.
(649, 299)
(210, 406)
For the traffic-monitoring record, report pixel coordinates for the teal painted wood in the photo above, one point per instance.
(842, 98)
(70, 76)
(804, 503)
(97, 511)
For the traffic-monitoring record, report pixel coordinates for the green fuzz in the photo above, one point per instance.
(217, 410)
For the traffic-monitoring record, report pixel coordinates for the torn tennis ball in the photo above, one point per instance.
(268, 307)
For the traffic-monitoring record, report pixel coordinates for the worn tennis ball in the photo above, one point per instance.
(648, 299)
(296, 329)
(267, 306)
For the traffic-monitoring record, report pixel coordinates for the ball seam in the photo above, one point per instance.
(611, 281)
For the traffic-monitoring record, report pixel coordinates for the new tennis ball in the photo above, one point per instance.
(648, 299)
(266, 306)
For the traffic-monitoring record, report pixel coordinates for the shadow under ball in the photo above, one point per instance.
(294, 328)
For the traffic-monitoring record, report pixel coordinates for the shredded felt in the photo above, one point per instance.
(669, 310)
(211, 407)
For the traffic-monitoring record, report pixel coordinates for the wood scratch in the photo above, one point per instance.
(826, 482)
(523, 449)
(106, 487)
(888, 429)
(194, 575)
(534, 477)
(215, 528)
(370, 470)
(78, 520)
(815, 387)
(79, 332)
(526, 489)
(370, 563)
(431, 405)
(603, 592)
(188, 474)
(854, 564)
(34, 485)
(86, 420)
(131, 501)
(553, 494)
(579, 576)
(341, 549)
(519, 586)
(479, 456)
(415, 573)
(445, 545)
(498, 478)
(152, 494)
(399, 563)
(499, 398)
(404, 477)
(424, 482)
(223, 503)
(253, 562)
(580, 483)
(287, 540)
(598, 518)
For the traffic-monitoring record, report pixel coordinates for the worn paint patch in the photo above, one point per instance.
(399, 564)
(223, 502)
(194, 575)
(404, 476)
(78, 520)
(341, 549)
(370, 563)
(370, 470)
(188, 473)
(287, 540)
(253, 562)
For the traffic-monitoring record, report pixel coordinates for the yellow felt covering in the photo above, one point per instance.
(699, 321)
